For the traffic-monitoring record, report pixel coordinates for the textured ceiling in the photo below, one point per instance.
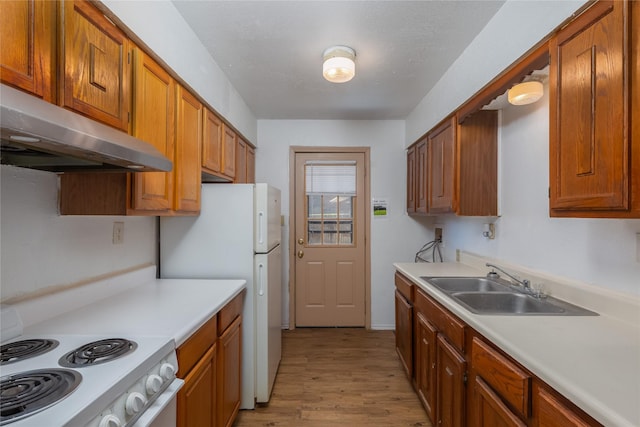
(271, 51)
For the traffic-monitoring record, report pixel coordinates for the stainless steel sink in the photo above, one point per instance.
(483, 295)
(466, 284)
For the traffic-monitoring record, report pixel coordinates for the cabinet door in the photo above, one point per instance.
(241, 162)
(27, 31)
(251, 165)
(426, 338)
(212, 142)
(589, 141)
(451, 369)
(96, 63)
(422, 177)
(489, 410)
(197, 398)
(229, 373)
(153, 122)
(187, 162)
(229, 153)
(554, 412)
(411, 179)
(441, 168)
(404, 333)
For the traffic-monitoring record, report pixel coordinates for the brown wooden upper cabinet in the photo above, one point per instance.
(230, 152)
(454, 168)
(188, 141)
(411, 179)
(241, 161)
(476, 168)
(96, 62)
(442, 149)
(594, 143)
(27, 57)
(218, 148)
(153, 121)
(251, 164)
(245, 162)
(170, 118)
(422, 177)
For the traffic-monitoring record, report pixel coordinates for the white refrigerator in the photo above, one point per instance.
(236, 236)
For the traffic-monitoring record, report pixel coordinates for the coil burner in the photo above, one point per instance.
(28, 392)
(97, 352)
(21, 350)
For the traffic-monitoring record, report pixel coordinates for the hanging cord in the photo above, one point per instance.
(423, 254)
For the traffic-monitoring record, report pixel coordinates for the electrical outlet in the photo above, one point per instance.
(118, 233)
(438, 234)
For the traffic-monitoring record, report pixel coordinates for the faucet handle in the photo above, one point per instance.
(493, 274)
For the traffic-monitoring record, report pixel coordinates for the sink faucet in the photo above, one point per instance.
(525, 283)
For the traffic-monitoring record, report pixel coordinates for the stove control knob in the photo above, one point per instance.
(167, 371)
(135, 403)
(110, 421)
(153, 384)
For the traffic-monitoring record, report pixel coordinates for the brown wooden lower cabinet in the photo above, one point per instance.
(552, 410)
(195, 400)
(210, 364)
(463, 379)
(229, 366)
(489, 409)
(450, 381)
(404, 331)
(425, 363)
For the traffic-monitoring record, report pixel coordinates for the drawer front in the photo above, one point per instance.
(447, 323)
(192, 350)
(511, 383)
(229, 312)
(405, 287)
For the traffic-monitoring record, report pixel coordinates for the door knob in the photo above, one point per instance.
(301, 241)
(300, 254)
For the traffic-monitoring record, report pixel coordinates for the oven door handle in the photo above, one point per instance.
(166, 397)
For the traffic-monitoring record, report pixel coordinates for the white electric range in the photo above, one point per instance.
(119, 381)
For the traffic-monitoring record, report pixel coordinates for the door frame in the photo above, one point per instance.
(293, 150)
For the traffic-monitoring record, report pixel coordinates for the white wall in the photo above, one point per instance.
(395, 238)
(161, 27)
(600, 252)
(40, 249)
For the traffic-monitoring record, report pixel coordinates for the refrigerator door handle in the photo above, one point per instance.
(261, 227)
(260, 279)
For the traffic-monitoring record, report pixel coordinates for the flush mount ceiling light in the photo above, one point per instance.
(339, 64)
(525, 93)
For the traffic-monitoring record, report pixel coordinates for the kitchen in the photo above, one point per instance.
(599, 252)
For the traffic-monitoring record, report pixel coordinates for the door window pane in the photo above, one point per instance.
(330, 191)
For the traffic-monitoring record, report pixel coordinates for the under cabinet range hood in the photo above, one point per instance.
(39, 135)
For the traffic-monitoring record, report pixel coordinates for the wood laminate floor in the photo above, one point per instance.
(338, 377)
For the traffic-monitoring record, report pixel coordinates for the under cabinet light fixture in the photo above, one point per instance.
(338, 64)
(525, 93)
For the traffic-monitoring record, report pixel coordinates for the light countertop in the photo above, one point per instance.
(174, 308)
(594, 361)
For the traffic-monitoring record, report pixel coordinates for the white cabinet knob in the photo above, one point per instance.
(135, 402)
(167, 371)
(110, 421)
(153, 384)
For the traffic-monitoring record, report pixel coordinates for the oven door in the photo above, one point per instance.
(163, 412)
